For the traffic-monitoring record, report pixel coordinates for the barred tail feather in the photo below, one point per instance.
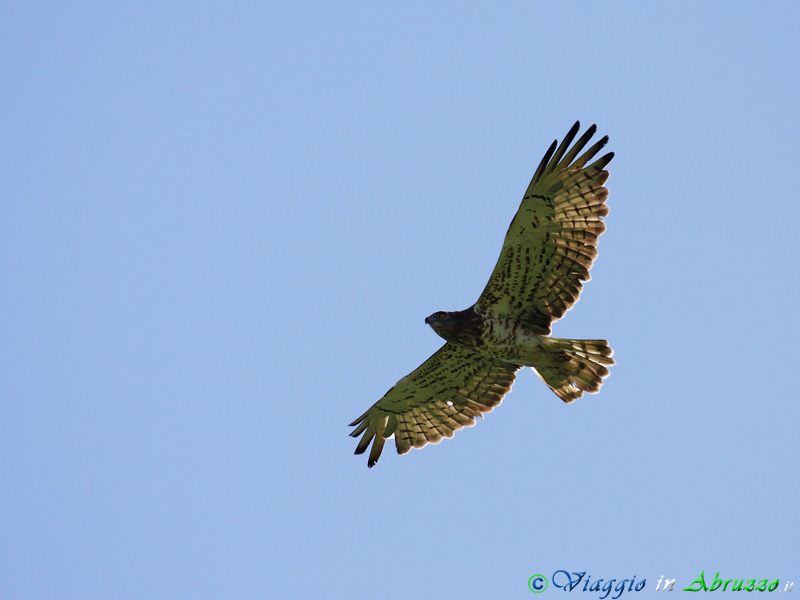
(575, 366)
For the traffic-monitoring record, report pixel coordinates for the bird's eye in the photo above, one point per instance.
(442, 315)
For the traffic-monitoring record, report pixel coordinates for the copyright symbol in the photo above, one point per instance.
(537, 584)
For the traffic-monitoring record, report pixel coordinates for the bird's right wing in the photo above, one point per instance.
(444, 394)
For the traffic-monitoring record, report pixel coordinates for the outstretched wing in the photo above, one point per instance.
(552, 241)
(444, 394)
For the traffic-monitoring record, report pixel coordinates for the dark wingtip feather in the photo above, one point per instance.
(591, 152)
(546, 159)
(360, 425)
(601, 162)
(576, 148)
(364, 442)
(565, 144)
(358, 420)
(375, 453)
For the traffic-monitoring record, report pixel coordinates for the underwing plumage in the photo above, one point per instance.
(547, 253)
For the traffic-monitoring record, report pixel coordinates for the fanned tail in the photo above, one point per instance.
(575, 366)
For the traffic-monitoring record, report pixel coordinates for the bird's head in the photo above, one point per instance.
(457, 326)
(442, 322)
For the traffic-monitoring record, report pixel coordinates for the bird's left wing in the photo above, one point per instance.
(552, 241)
(442, 395)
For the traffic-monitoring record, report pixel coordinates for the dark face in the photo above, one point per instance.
(441, 322)
(437, 317)
(460, 326)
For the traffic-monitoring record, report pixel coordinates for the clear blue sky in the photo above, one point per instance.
(223, 226)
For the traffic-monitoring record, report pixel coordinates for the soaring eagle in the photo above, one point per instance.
(547, 253)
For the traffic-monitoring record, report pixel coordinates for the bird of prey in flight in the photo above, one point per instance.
(546, 256)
